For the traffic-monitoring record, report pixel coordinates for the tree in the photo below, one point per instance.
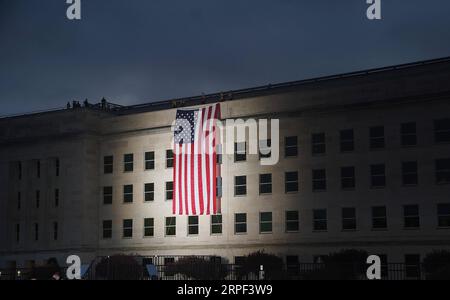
(118, 267)
(272, 264)
(199, 268)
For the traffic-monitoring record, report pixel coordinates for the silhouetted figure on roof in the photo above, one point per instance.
(68, 105)
(86, 103)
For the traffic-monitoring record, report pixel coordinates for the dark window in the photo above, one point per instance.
(169, 190)
(290, 146)
(443, 171)
(149, 227)
(378, 176)
(57, 167)
(409, 134)
(409, 173)
(56, 197)
(240, 153)
(443, 213)
(318, 143)
(107, 194)
(379, 219)
(442, 131)
(17, 233)
(291, 182)
(240, 185)
(265, 183)
(55, 231)
(411, 216)
(240, 223)
(412, 265)
(292, 221)
(19, 200)
(108, 164)
(128, 193)
(128, 162)
(216, 224)
(149, 160)
(320, 219)
(128, 228)
(347, 140)
(171, 226)
(169, 158)
(19, 167)
(38, 198)
(348, 178)
(36, 231)
(265, 222)
(193, 225)
(149, 192)
(377, 137)
(107, 229)
(348, 218)
(319, 178)
(38, 169)
(265, 148)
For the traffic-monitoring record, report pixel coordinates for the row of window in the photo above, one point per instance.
(36, 232)
(411, 220)
(37, 202)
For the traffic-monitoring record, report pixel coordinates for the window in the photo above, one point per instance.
(348, 178)
(17, 233)
(290, 146)
(169, 190)
(409, 134)
(411, 216)
(443, 213)
(291, 182)
(107, 229)
(128, 228)
(36, 231)
(319, 178)
(378, 176)
(19, 200)
(216, 224)
(443, 171)
(149, 158)
(240, 153)
(348, 218)
(128, 162)
(318, 143)
(38, 169)
(240, 223)
(240, 185)
(412, 265)
(108, 164)
(149, 192)
(320, 219)
(409, 173)
(265, 222)
(56, 197)
(292, 221)
(149, 227)
(169, 158)
(442, 131)
(379, 220)
(57, 167)
(265, 148)
(347, 141)
(171, 226)
(38, 198)
(377, 137)
(265, 183)
(19, 171)
(55, 231)
(128, 193)
(107, 195)
(192, 225)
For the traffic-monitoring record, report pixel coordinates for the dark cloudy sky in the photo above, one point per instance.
(136, 51)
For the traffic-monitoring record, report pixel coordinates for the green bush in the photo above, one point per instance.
(437, 265)
(118, 267)
(198, 268)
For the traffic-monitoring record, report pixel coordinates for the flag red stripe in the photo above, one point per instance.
(180, 198)
(191, 157)
(208, 151)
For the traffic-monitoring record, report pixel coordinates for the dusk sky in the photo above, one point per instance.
(140, 51)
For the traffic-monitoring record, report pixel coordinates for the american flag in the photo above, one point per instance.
(195, 169)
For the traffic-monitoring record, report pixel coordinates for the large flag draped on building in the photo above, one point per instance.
(195, 169)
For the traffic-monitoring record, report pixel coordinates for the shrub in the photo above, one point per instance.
(273, 265)
(437, 265)
(118, 267)
(46, 272)
(199, 268)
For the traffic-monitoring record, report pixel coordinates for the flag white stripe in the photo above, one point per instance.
(196, 170)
